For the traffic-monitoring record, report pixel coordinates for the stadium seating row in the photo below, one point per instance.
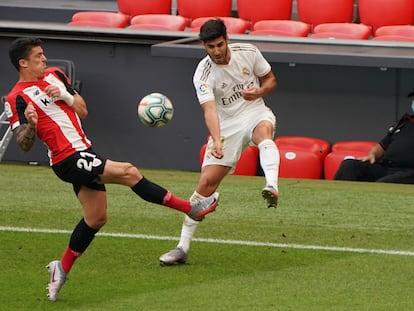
(303, 157)
(332, 19)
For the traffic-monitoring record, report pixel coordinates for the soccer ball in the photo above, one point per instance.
(155, 110)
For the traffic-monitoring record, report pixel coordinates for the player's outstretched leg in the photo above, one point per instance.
(58, 277)
(201, 208)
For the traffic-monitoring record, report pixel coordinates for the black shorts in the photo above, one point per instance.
(82, 169)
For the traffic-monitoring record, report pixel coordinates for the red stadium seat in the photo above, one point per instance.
(301, 156)
(202, 152)
(378, 13)
(274, 33)
(140, 7)
(126, 10)
(158, 22)
(357, 145)
(334, 159)
(91, 24)
(247, 164)
(399, 30)
(281, 28)
(254, 11)
(234, 25)
(396, 38)
(318, 146)
(299, 163)
(335, 35)
(192, 9)
(100, 19)
(342, 31)
(315, 12)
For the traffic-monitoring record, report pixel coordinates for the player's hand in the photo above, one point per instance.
(58, 92)
(52, 91)
(251, 93)
(31, 115)
(217, 150)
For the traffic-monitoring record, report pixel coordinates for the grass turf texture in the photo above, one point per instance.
(119, 273)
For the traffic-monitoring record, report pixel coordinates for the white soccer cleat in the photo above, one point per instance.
(270, 195)
(58, 277)
(174, 256)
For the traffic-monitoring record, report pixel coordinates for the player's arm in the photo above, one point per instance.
(70, 97)
(79, 105)
(267, 84)
(25, 136)
(213, 126)
(25, 133)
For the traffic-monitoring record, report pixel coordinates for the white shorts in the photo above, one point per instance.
(236, 135)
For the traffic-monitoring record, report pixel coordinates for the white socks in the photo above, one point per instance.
(269, 160)
(189, 226)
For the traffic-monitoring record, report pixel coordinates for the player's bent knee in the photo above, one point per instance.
(98, 222)
(206, 187)
(132, 172)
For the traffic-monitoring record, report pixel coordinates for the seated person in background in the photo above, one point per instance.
(391, 160)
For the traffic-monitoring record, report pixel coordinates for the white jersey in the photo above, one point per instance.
(224, 83)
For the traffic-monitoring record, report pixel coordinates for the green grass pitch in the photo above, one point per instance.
(328, 246)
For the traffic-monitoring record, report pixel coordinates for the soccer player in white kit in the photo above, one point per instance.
(230, 83)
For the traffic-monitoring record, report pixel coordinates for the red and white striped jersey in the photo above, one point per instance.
(59, 127)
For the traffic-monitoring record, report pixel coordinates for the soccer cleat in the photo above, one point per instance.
(201, 208)
(270, 195)
(58, 277)
(174, 256)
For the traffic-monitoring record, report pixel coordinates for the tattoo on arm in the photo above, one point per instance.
(25, 136)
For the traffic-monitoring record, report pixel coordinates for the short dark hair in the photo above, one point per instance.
(212, 29)
(20, 49)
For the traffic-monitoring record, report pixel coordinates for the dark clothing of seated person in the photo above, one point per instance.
(391, 160)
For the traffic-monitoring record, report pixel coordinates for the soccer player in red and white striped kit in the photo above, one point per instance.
(42, 103)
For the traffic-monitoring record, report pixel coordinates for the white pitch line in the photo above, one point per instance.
(230, 242)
